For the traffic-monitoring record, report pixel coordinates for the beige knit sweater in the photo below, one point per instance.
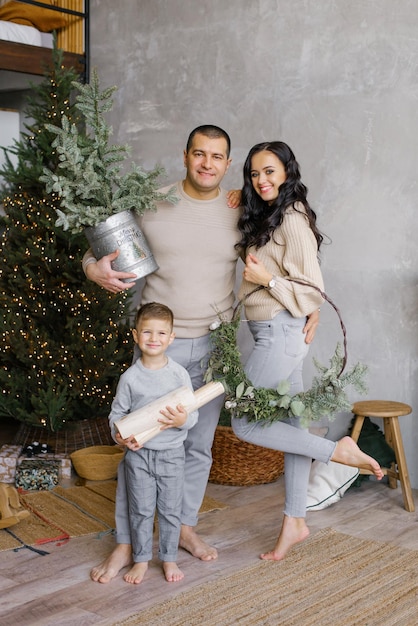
(290, 253)
(193, 243)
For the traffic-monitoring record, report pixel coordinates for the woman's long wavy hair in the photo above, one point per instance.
(259, 219)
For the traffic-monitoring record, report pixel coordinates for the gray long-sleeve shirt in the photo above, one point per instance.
(139, 386)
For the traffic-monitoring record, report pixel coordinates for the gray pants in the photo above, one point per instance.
(277, 355)
(193, 355)
(154, 480)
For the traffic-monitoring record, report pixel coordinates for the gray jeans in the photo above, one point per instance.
(154, 480)
(278, 354)
(193, 354)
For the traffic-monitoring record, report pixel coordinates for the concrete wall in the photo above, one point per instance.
(338, 81)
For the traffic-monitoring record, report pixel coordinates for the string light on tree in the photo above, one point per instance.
(63, 342)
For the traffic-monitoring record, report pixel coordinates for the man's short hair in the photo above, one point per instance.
(213, 132)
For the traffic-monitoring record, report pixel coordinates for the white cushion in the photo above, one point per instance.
(20, 33)
(328, 483)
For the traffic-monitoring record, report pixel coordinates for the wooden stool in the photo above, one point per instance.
(389, 412)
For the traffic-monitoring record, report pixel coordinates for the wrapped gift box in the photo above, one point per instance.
(37, 474)
(65, 463)
(63, 459)
(8, 461)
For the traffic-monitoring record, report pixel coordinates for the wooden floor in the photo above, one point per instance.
(56, 590)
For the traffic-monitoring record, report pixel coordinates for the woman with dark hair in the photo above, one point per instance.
(280, 243)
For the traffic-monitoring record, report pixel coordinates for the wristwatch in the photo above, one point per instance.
(272, 284)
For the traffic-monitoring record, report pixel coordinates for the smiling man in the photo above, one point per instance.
(206, 160)
(193, 243)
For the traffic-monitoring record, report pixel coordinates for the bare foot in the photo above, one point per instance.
(110, 567)
(294, 530)
(191, 542)
(347, 452)
(136, 573)
(172, 572)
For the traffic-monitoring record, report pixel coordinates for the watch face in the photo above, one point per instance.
(272, 284)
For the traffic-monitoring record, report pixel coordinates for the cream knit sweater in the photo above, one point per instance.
(193, 244)
(290, 253)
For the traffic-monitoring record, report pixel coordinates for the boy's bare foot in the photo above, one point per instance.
(347, 452)
(294, 530)
(172, 573)
(110, 567)
(191, 542)
(136, 573)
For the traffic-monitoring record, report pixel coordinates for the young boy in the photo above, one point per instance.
(155, 471)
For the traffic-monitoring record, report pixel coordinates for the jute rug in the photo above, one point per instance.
(330, 579)
(61, 514)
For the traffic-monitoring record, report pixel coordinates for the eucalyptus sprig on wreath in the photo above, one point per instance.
(88, 179)
(324, 399)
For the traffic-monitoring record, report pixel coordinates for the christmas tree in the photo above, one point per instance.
(64, 341)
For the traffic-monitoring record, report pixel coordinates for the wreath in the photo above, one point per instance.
(324, 399)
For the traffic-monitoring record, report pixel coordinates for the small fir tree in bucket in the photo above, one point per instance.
(92, 191)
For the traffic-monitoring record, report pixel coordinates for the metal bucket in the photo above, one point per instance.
(121, 232)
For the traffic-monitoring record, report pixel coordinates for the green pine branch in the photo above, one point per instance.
(33, 150)
(88, 181)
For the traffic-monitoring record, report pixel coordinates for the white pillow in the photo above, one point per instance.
(328, 483)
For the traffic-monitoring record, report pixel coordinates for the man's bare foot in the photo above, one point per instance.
(191, 542)
(110, 567)
(136, 573)
(294, 530)
(172, 573)
(347, 452)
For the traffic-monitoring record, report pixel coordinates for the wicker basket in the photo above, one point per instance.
(97, 462)
(236, 462)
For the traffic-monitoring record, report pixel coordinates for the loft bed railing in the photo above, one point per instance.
(73, 38)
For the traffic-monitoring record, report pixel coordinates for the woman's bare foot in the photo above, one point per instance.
(191, 542)
(347, 452)
(109, 568)
(294, 530)
(172, 573)
(136, 573)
